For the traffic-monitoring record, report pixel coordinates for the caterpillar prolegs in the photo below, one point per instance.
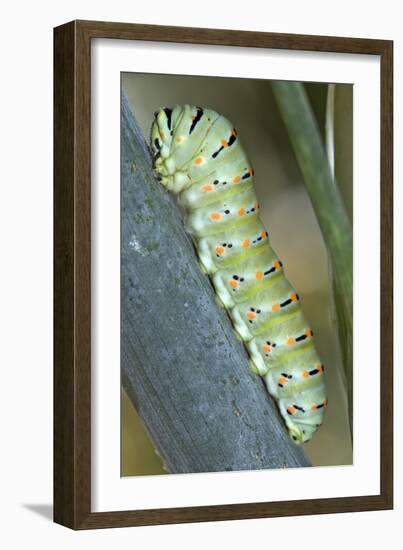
(198, 157)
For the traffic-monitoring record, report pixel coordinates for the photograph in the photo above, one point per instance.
(198, 291)
(223, 274)
(236, 274)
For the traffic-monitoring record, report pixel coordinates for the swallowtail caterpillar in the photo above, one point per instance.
(199, 158)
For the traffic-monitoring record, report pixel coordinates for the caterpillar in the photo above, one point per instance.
(198, 157)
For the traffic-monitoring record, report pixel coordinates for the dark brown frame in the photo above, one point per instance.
(72, 320)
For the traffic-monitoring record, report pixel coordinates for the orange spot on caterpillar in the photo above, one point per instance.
(263, 234)
(241, 212)
(255, 205)
(199, 161)
(207, 188)
(291, 409)
(259, 275)
(290, 341)
(293, 297)
(224, 143)
(251, 315)
(308, 333)
(314, 408)
(305, 374)
(220, 250)
(215, 216)
(275, 307)
(267, 348)
(236, 179)
(178, 139)
(282, 380)
(245, 243)
(277, 264)
(233, 283)
(193, 117)
(162, 134)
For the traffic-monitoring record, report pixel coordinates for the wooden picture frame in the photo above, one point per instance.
(72, 272)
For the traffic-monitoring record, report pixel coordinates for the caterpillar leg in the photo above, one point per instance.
(205, 258)
(237, 335)
(257, 368)
(219, 301)
(303, 414)
(203, 267)
(256, 359)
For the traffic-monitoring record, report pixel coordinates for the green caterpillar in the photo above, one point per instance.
(198, 157)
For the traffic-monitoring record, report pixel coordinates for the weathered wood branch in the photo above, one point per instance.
(182, 366)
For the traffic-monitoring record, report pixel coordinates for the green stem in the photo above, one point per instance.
(329, 126)
(332, 217)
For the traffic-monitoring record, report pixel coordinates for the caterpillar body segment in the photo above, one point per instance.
(198, 157)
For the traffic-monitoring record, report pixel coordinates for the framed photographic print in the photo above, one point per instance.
(223, 275)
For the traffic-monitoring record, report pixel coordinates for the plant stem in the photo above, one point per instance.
(329, 126)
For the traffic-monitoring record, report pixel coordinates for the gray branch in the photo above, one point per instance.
(182, 367)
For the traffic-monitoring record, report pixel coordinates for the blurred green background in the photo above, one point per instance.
(287, 213)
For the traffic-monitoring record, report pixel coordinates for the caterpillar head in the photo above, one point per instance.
(162, 137)
(301, 432)
(302, 422)
(303, 413)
